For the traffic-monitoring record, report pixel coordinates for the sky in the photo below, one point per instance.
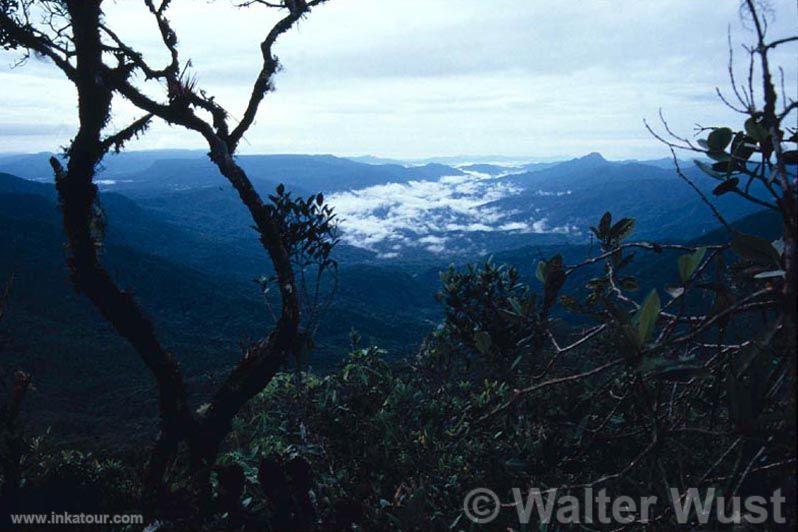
(423, 78)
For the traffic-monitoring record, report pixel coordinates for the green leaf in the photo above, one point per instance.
(689, 263)
(555, 277)
(674, 291)
(596, 283)
(515, 463)
(754, 248)
(516, 306)
(755, 348)
(629, 284)
(622, 229)
(570, 303)
(743, 146)
(778, 244)
(725, 167)
(646, 317)
(707, 169)
(726, 186)
(540, 271)
(631, 336)
(604, 225)
(756, 130)
(483, 341)
(682, 373)
(720, 156)
(719, 138)
(771, 274)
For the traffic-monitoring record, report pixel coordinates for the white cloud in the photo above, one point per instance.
(514, 226)
(545, 193)
(432, 239)
(396, 216)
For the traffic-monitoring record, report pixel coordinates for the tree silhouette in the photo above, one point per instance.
(74, 36)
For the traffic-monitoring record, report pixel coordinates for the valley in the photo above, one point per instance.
(177, 237)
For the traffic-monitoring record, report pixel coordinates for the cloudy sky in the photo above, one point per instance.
(420, 78)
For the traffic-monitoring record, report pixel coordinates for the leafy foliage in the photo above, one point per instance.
(308, 227)
(396, 447)
(488, 313)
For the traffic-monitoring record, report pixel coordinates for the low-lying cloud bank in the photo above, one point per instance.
(429, 214)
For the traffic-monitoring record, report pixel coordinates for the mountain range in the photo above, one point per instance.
(178, 237)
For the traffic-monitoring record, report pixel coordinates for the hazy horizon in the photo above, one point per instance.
(455, 159)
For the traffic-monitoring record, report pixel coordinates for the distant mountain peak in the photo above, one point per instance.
(594, 157)
(589, 161)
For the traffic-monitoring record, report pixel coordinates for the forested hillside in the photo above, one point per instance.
(194, 269)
